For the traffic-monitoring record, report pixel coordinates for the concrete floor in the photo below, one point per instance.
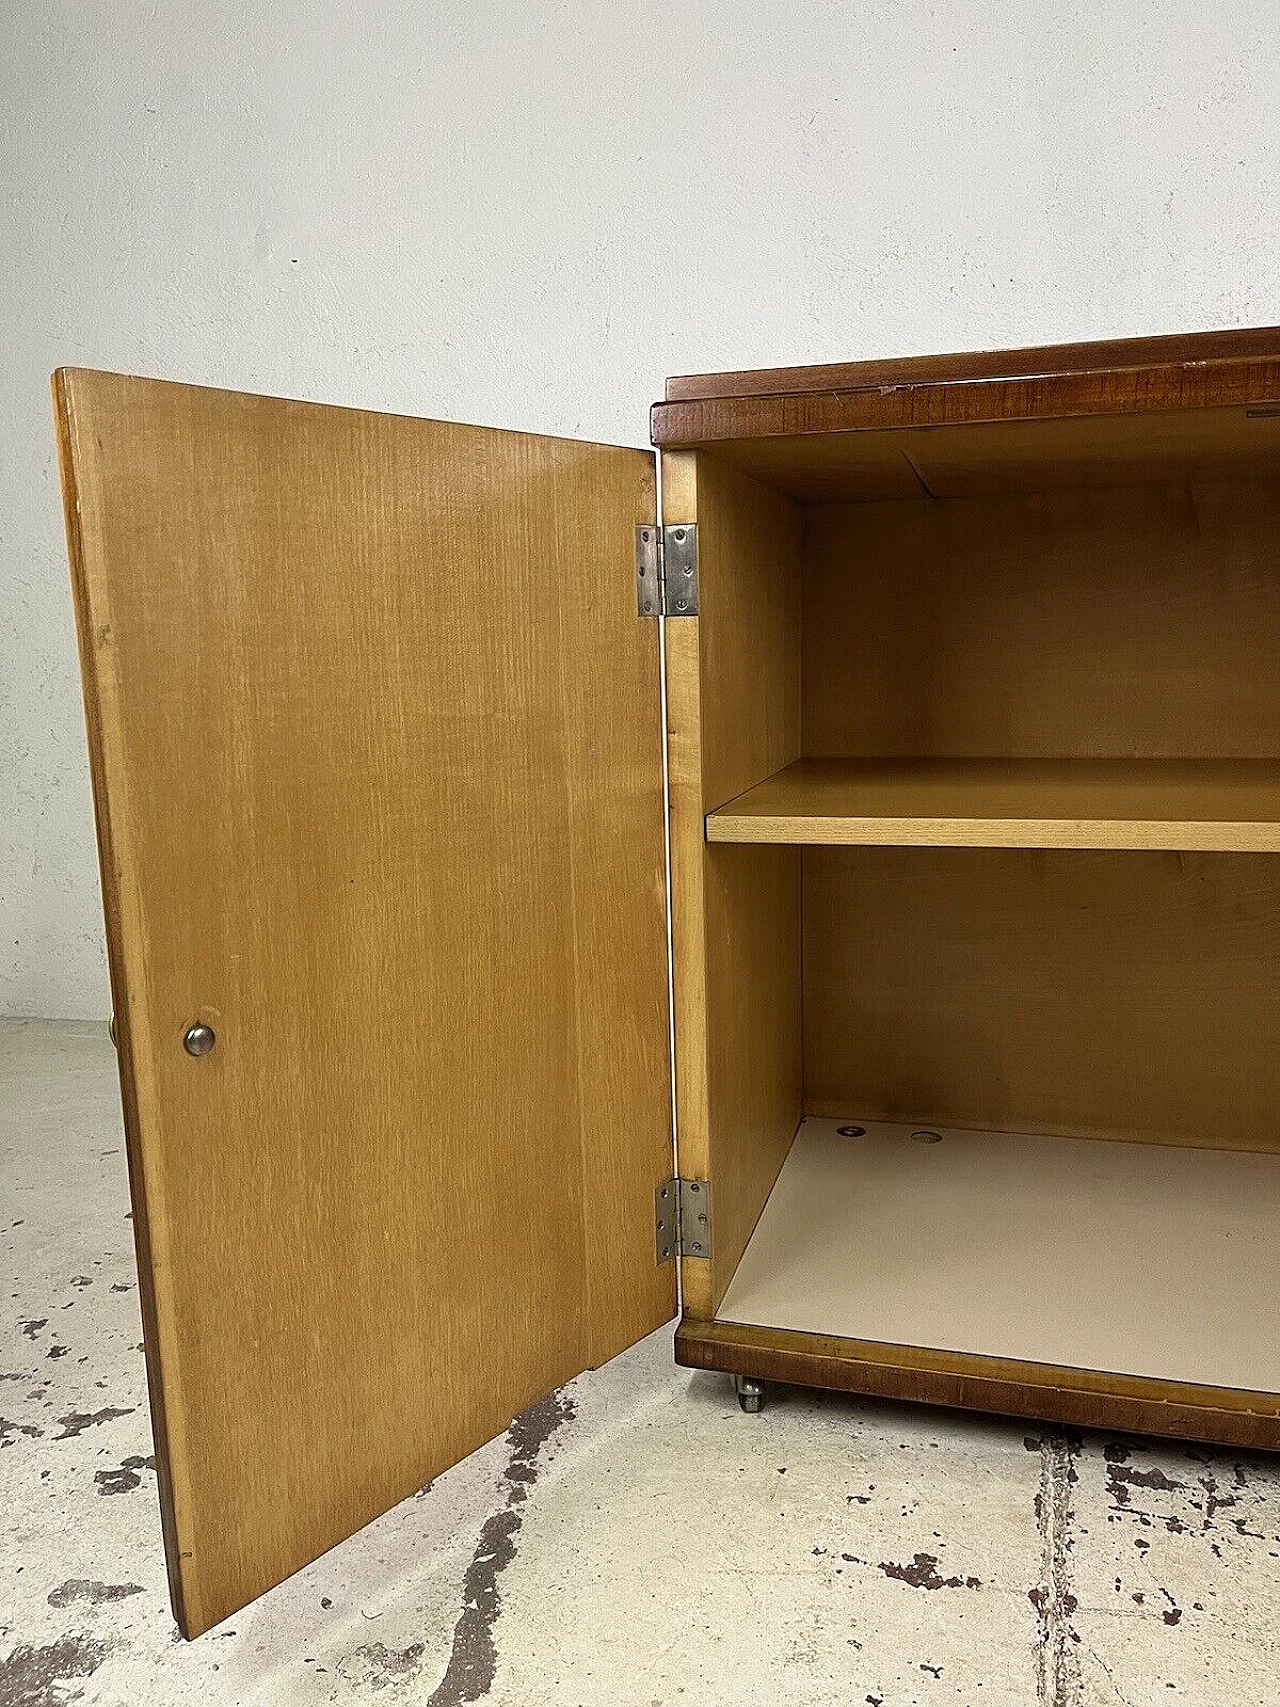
(671, 1551)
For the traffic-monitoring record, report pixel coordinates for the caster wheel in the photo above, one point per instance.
(750, 1393)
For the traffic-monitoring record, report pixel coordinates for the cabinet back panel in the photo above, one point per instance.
(1125, 994)
(1135, 622)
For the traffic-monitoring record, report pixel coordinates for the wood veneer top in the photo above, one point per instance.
(1237, 343)
(1127, 376)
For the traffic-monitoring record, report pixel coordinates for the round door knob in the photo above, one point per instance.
(199, 1039)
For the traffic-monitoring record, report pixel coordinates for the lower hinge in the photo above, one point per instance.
(682, 1219)
(667, 569)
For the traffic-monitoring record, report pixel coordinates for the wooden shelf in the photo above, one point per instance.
(1138, 1259)
(1187, 805)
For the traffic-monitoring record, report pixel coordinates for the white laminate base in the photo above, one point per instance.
(1138, 1259)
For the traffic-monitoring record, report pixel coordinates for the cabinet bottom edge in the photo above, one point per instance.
(973, 1382)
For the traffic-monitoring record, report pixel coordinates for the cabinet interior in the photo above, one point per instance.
(976, 837)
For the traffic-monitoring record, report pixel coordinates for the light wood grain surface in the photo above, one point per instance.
(1183, 804)
(365, 811)
(1138, 623)
(1131, 1258)
(993, 457)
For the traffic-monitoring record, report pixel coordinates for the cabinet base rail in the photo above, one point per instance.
(962, 1381)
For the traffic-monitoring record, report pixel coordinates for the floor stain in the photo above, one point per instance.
(97, 1594)
(33, 1677)
(125, 1478)
(922, 1572)
(75, 1422)
(473, 1657)
(1217, 1484)
(384, 1665)
(1058, 1676)
(9, 1430)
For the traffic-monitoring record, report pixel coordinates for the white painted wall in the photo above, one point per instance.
(528, 215)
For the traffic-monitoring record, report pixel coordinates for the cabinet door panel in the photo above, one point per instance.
(376, 751)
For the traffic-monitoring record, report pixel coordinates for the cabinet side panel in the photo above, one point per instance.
(688, 898)
(733, 706)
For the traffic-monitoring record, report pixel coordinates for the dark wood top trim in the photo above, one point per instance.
(1236, 343)
(1200, 385)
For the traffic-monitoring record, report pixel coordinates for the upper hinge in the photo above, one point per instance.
(682, 1219)
(667, 569)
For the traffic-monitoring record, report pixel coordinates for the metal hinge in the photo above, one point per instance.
(682, 1219)
(667, 569)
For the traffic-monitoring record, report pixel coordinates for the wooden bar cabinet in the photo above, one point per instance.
(970, 802)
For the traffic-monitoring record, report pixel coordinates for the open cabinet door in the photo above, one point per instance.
(375, 738)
